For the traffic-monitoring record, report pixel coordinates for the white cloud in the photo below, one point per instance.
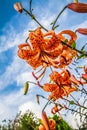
(12, 71)
(23, 77)
(32, 106)
(10, 103)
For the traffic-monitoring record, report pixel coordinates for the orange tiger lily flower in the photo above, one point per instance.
(69, 90)
(78, 7)
(66, 54)
(62, 84)
(46, 49)
(60, 92)
(32, 57)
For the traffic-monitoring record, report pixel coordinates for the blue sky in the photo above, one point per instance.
(13, 31)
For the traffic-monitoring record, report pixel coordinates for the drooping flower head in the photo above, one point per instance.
(46, 49)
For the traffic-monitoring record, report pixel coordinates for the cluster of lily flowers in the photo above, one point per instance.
(53, 50)
(47, 50)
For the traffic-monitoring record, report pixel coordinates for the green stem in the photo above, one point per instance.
(82, 90)
(76, 111)
(75, 103)
(34, 83)
(74, 99)
(61, 105)
(32, 16)
(81, 52)
(46, 105)
(58, 16)
(30, 6)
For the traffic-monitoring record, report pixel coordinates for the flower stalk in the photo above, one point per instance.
(58, 17)
(34, 18)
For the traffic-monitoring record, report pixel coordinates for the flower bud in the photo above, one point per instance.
(78, 7)
(75, 1)
(45, 120)
(82, 31)
(26, 86)
(18, 7)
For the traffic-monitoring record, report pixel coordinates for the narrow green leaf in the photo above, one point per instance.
(73, 45)
(55, 27)
(80, 56)
(83, 47)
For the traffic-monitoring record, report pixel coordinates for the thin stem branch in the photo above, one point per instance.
(35, 83)
(46, 105)
(58, 16)
(47, 99)
(75, 103)
(83, 91)
(81, 52)
(61, 105)
(74, 99)
(30, 6)
(33, 17)
(76, 111)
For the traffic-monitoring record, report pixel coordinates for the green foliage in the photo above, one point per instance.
(61, 124)
(28, 122)
(21, 122)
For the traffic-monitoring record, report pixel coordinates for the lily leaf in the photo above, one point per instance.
(83, 47)
(55, 27)
(80, 56)
(73, 45)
